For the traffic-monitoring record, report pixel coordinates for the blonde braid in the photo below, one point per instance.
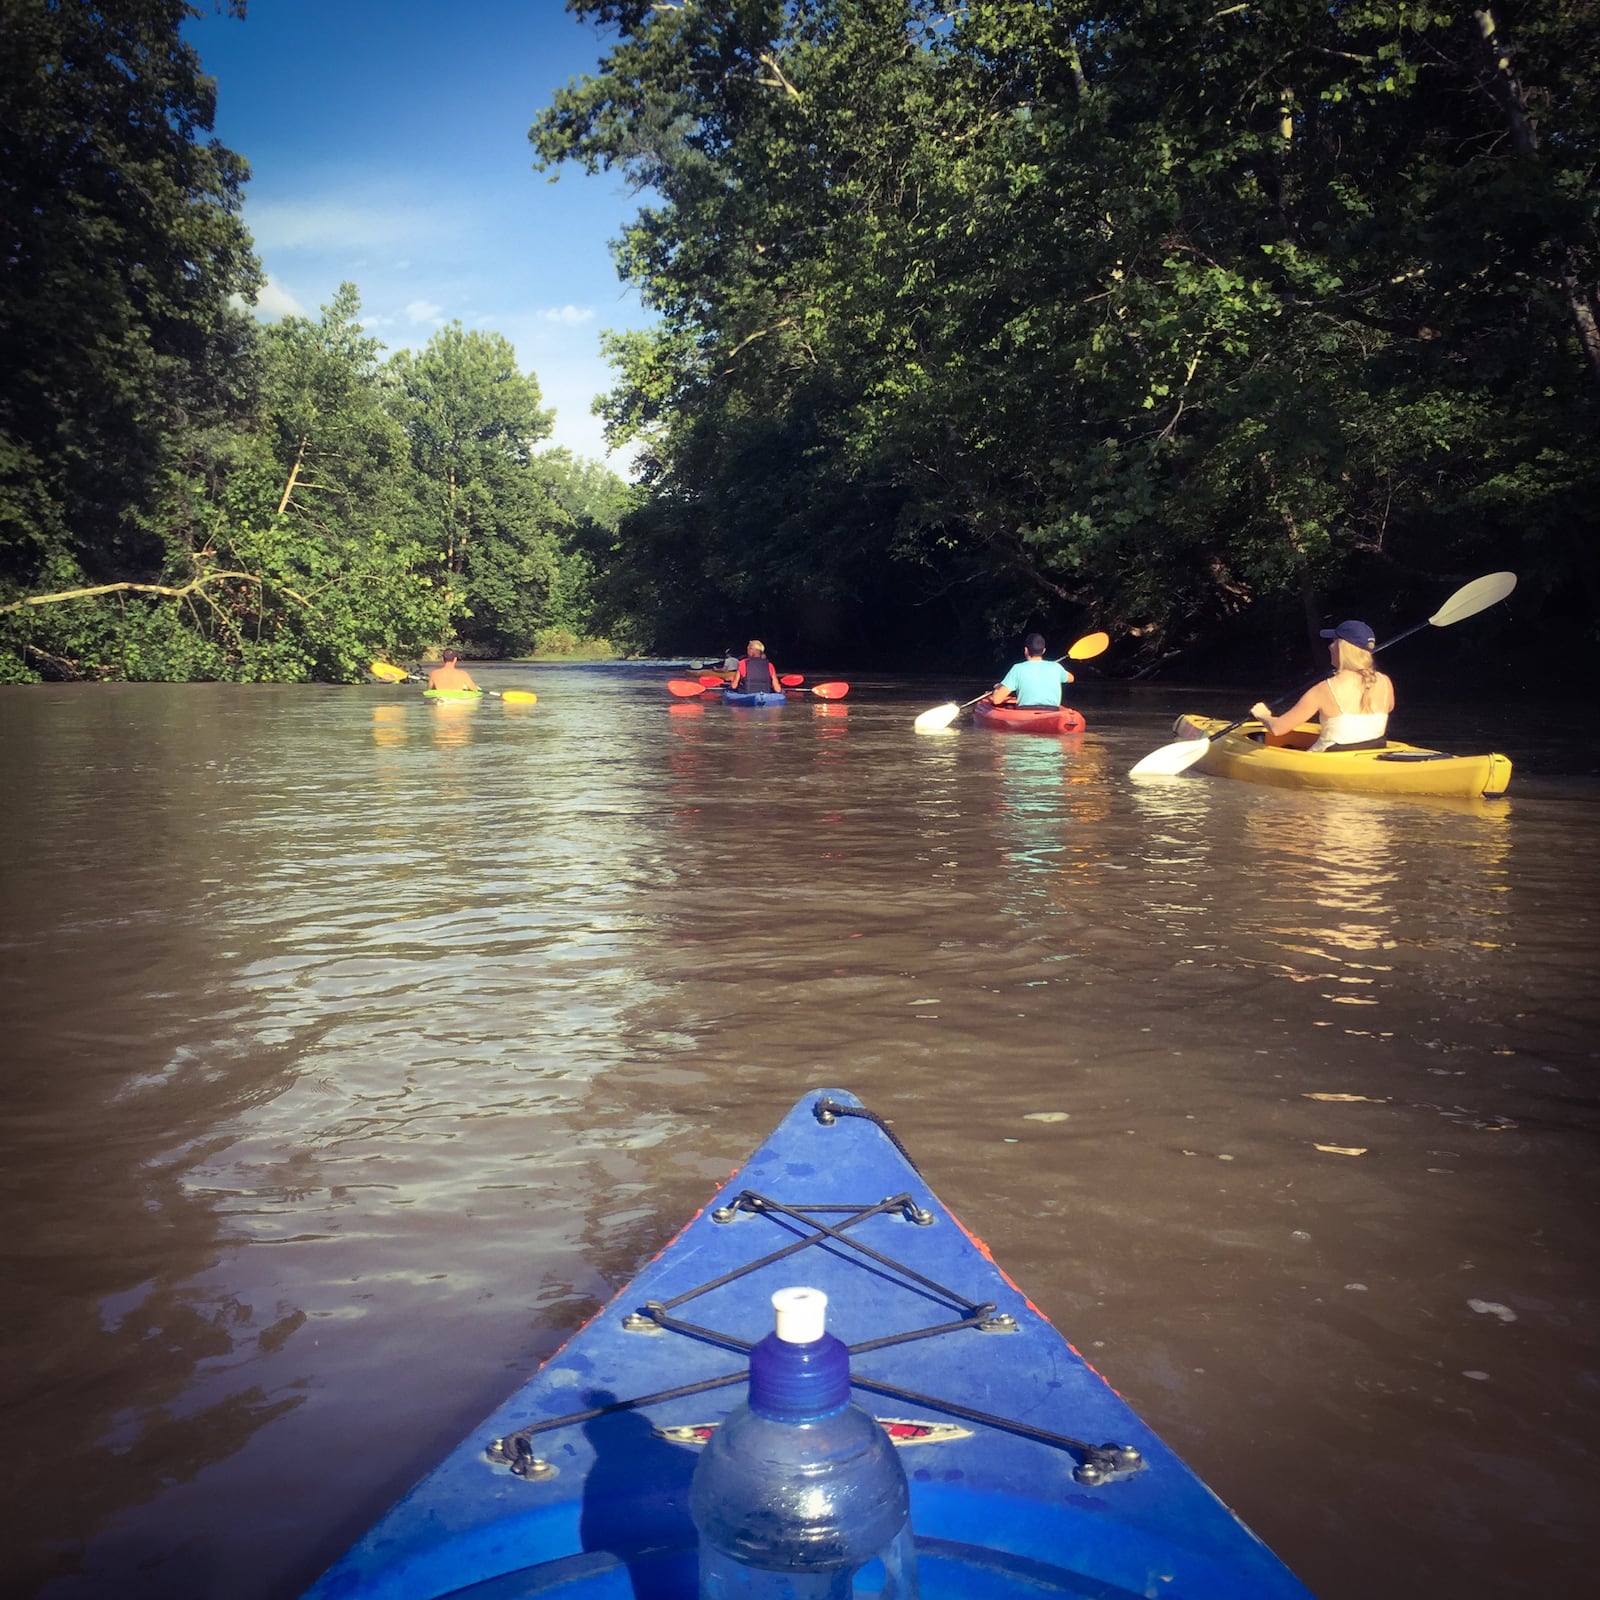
(1352, 658)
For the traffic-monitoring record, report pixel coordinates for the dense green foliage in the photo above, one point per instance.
(120, 245)
(186, 494)
(1163, 315)
(594, 588)
(1173, 318)
(472, 419)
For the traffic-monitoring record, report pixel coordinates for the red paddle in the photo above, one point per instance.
(825, 691)
(689, 688)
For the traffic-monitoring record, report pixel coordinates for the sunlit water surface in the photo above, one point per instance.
(358, 1048)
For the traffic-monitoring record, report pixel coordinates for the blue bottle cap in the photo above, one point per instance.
(799, 1372)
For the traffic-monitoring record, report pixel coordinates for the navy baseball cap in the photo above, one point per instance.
(1356, 633)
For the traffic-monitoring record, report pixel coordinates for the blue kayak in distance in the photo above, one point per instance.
(765, 697)
(1029, 1476)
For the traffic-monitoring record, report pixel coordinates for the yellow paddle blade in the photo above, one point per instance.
(939, 717)
(1091, 644)
(386, 673)
(519, 697)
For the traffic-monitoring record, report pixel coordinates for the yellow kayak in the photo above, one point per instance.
(1395, 769)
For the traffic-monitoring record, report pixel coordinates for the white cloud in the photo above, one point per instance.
(572, 316)
(337, 224)
(273, 302)
(424, 311)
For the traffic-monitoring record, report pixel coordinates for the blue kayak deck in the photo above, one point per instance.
(1029, 1475)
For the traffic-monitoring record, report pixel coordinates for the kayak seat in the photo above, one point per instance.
(1304, 738)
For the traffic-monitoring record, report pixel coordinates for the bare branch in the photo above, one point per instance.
(167, 591)
(760, 333)
(777, 80)
(294, 473)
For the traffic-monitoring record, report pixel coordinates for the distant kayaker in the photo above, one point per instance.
(755, 674)
(447, 675)
(1352, 704)
(1033, 681)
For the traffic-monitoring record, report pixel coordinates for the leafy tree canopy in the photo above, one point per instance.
(121, 250)
(980, 315)
(472, 419)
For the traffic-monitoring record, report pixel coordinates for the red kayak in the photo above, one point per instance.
(1027, 719)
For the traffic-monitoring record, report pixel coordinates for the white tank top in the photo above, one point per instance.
(1350, 727)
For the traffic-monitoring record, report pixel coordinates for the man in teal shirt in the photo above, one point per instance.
(1034, 682)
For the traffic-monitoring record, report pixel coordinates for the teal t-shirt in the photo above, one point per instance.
(1037, 683)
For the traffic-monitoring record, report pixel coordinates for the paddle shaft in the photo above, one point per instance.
(690, 688)
(1320, 677)
(714, 680)
(489, 694)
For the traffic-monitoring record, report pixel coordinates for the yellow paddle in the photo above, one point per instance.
(385, 672)
(1090, 645)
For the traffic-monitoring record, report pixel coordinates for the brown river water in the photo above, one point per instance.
(357, 1048)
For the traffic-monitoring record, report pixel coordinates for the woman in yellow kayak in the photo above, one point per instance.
(1352, 704)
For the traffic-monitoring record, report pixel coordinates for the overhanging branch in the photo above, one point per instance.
(164, 590)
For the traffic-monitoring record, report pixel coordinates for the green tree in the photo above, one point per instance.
(472, 419)
(300, 552)
(1012, 310)
(319, 498)
(122, 247)
(582, 602)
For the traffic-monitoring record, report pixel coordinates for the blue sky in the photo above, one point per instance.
(388, 145)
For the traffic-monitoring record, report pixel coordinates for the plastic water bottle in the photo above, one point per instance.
(799, 1495)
